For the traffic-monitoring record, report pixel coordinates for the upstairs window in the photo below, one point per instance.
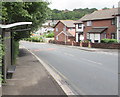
(80, 26)
(56, 29)
(114, 21)
(71, 28)
(89, 23)
(56, 37)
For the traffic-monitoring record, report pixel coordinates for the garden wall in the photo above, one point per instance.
(106, 45)
(92, 45)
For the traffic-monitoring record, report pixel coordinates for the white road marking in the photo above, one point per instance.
(108, 53)
(91, 61)
(69, 54)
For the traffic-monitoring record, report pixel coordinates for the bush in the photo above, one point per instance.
(1, 56)
(34, 39)
(86, 41)
(15, 51)
(50, 35)
(109, 41)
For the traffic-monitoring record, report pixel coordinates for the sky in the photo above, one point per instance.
(74, 4)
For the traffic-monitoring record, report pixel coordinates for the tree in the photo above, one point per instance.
(35, 12)
(72, 15)
(105, 8)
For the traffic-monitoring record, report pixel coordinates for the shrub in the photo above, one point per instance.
(50, 35)
(15, 51)
(34, 39)
(1, 56)
(109, 41)
(86, 41)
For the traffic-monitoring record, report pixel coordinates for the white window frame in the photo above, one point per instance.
(56, 29)
(79, 25)
(56, 37)
(113, 21)
(88, 35)
(89, 23)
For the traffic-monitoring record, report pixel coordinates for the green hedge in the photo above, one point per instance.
(35, 39)
(109, 41)
(1, 56)
(50, 35)
(15, 51)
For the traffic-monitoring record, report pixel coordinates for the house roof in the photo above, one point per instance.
(68, 23)
(78, 21)
(97, 30)
(99, 15)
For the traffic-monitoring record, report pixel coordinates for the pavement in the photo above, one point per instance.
(30, 78)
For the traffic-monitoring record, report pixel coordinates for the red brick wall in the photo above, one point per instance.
(72, 31)
(101, 23)
(61, 37)
(106, 45)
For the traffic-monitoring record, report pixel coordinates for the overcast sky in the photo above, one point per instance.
(72, 4)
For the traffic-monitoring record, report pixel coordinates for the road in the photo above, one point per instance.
(90, 73)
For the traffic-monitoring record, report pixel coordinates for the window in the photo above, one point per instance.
(96, 41)
(56, 37)
(89, 23)
(88, 36)
(105, 36)
(80, 26)
(56, 29)
(114, 21)
(113, 35)
(71, 28)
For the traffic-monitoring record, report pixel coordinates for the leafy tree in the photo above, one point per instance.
(105, 8)
(72, 15)
(35, 12)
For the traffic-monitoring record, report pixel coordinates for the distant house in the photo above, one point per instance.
(64, 31)
(47, 27)
(99, 25)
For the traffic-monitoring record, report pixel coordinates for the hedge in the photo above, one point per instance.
(109, 41)
(50, 35)
(35, 39)
(15, 51)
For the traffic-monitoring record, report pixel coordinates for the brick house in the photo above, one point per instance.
(64, 31)
(99, 25)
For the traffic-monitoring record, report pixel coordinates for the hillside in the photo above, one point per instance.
(71, 15)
